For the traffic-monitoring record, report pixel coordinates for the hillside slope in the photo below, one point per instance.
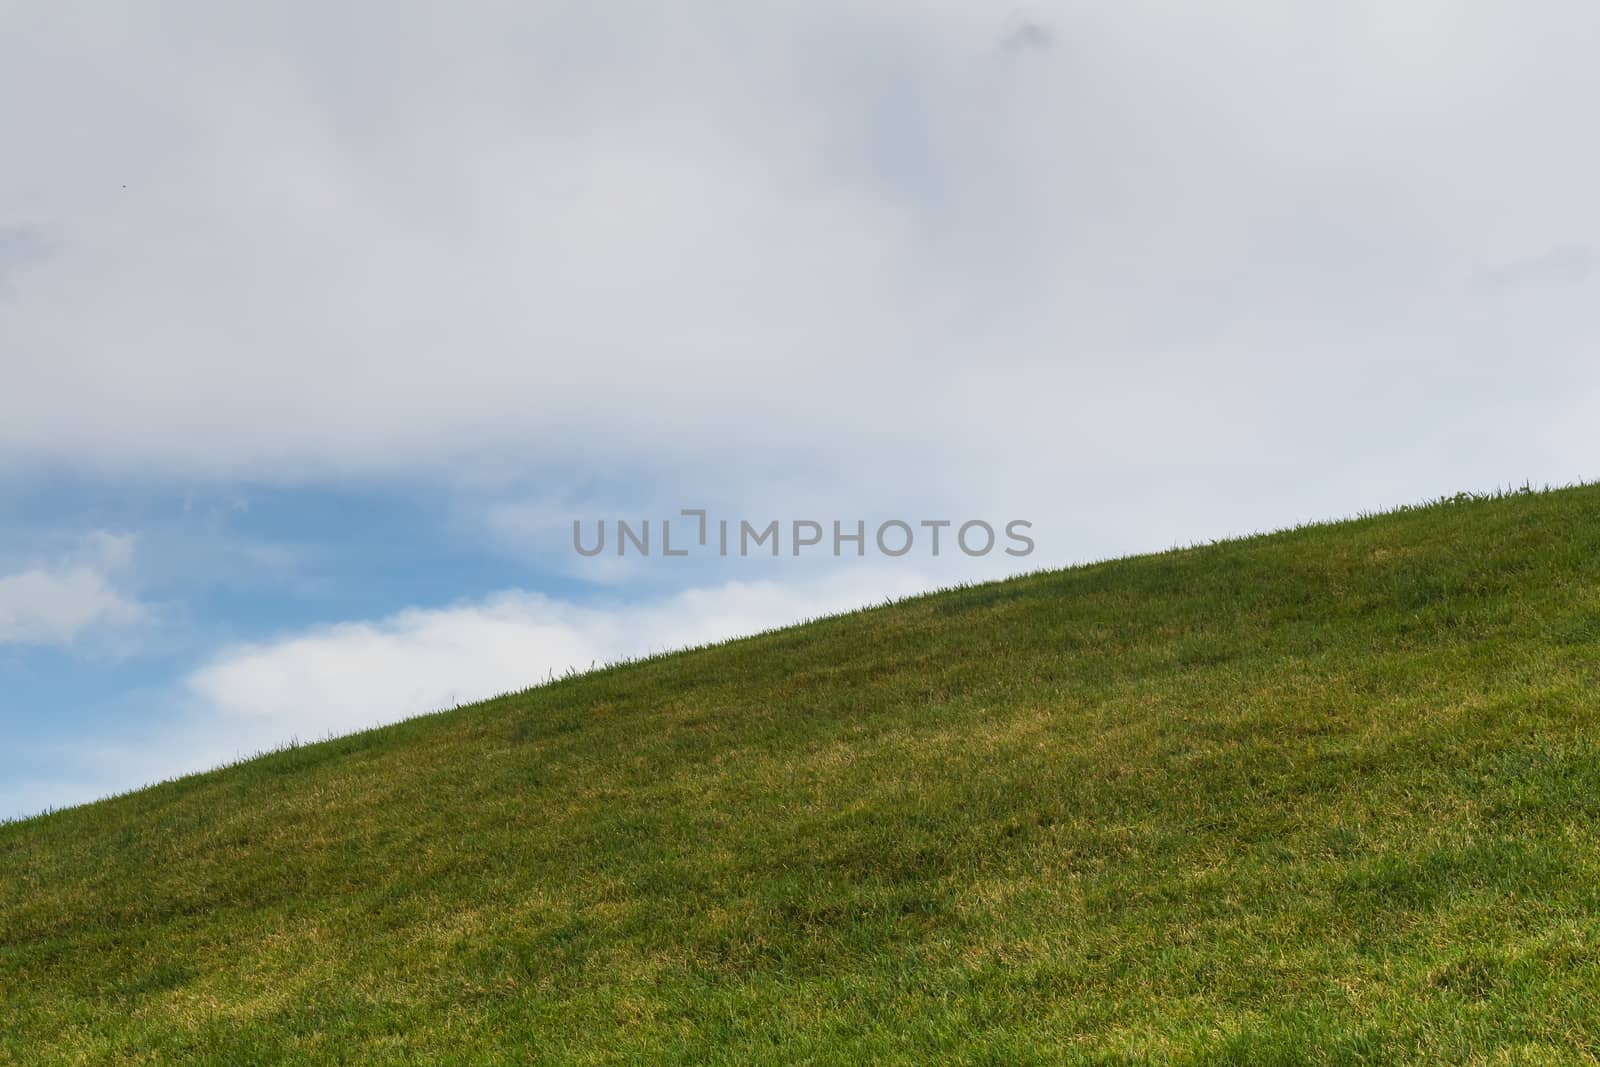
(1329, 794)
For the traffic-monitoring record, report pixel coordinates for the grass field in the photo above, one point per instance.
(1329, 795)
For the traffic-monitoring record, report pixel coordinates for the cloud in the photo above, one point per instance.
(837, 239)
(55, 605)
(354, 675)
(1026, 37)
(1566, 264)
(20, 247)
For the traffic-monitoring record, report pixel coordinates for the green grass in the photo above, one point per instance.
(1328, 795)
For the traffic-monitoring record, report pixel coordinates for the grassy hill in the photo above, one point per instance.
(1328, 795)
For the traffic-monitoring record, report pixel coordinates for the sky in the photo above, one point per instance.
(321, 323)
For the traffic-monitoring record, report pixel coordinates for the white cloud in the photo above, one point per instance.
(354, 675)
(20, 247)
(56, 604)
(864, 241)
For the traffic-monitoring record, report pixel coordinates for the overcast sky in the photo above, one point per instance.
(320, 324)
